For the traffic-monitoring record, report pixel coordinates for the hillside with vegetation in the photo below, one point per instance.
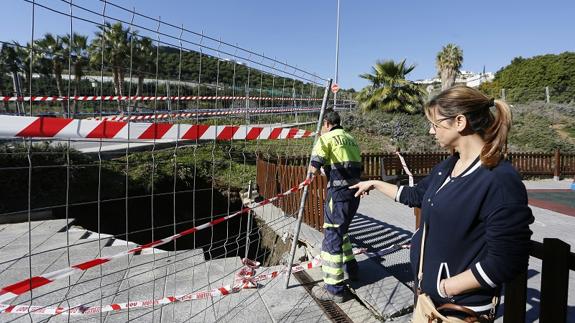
(537, 127)
(133, 60)
(525, 79)
(391, 115)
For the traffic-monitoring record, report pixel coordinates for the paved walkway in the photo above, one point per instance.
(151, 275)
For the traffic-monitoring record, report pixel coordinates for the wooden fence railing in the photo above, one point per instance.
(280, 174)
(557, 260)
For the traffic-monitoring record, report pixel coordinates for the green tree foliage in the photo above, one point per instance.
(8, 65)
(448, 63)
(76, 49)
(525, 79)
(122, 53)
(113, 42)
(389, 90)
(52, 48)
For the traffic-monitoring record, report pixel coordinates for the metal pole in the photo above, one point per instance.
(297, 226)
(249, 226)
(336, 55)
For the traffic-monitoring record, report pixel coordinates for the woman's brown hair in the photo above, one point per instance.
(476, 107)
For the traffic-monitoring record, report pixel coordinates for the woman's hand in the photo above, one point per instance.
(363, 188)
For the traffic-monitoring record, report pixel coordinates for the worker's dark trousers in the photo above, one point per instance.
(336, 248)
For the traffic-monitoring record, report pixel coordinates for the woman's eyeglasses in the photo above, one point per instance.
(438, 121)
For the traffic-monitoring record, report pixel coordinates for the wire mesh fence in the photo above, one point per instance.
(106, 219)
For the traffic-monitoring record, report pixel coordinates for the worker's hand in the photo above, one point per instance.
(363, 188)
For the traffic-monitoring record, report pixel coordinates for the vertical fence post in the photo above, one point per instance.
(297, 226)
(515, 299)
(547, 98)
(557, 168)
(249, 225)
(503, 94)
(554, 281)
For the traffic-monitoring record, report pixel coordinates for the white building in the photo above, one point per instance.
(465, 77)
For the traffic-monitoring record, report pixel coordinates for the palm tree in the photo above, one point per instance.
(3, 71)
(76, 48)
(448, 63)
(12, 64)
(113, 42)
(144, 60)
(389, 90)
(52, 49)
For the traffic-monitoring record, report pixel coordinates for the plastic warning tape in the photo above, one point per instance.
(19, 288)
(63, 128)
(405, 168)
(246, 278)
(143, 98)
(200, 113)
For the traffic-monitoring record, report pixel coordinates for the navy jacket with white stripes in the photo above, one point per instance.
(478, 220)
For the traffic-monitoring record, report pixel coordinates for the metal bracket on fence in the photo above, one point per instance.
(297, 226)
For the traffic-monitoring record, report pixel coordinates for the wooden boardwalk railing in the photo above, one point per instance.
(557, 261)
(275, 175)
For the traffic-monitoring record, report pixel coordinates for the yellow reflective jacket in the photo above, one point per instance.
(338, 152)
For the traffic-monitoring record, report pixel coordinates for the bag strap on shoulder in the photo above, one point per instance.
(421, 251)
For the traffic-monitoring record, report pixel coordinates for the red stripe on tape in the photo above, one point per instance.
(9, 308)
(216, 221)
(254, 133)
(292, 132)
(227, 133)
(116, 307)
(151, 244)
(223, 291)
(196, 131)
(276, 132)
(106, 129)
(172, 299)
(44, 127)
(25, 285)
(91, 263)
(186, 232)
(155, 131)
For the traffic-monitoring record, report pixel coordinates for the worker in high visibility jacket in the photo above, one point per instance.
(339, 155)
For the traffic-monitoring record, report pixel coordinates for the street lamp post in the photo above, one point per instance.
(336, 54)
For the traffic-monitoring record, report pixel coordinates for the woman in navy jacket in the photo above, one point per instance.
(473, 204)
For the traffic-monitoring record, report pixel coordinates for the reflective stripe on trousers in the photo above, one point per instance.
(336, 248)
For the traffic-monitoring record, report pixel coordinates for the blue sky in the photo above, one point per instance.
(302, 32)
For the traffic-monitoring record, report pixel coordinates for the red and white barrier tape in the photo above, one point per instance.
(199, 113)
(62, 128)
(245, 279)
(405, 168)
(19, 288)
(143, 98)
